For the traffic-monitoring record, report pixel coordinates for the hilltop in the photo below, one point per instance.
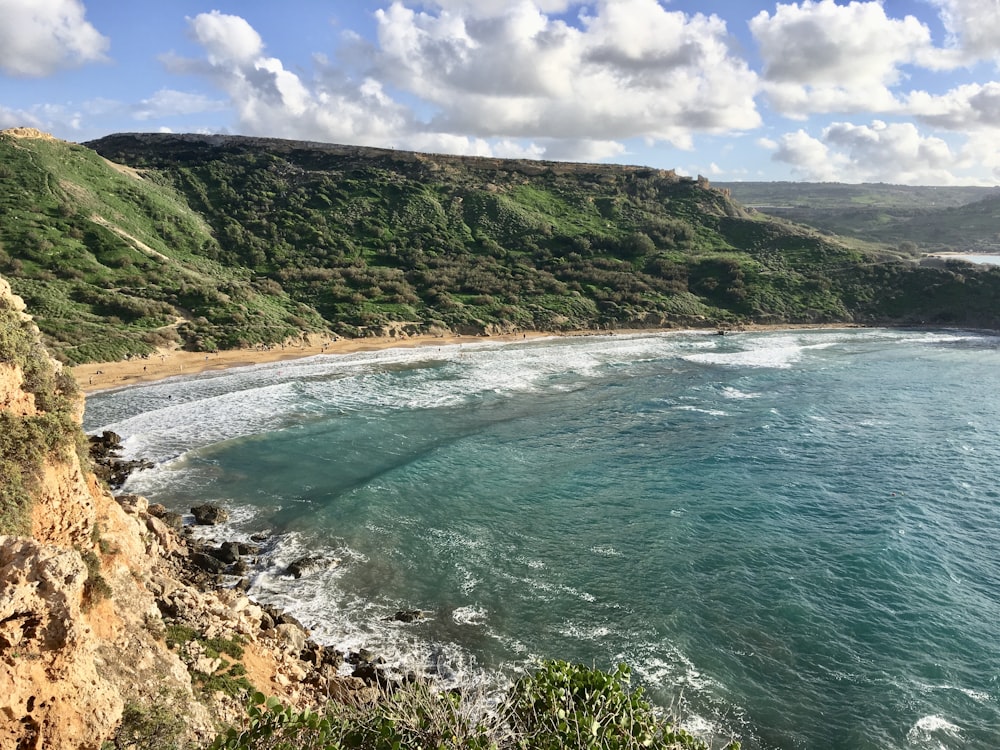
(136, 242)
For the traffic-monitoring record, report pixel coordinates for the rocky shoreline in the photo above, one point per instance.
(199, 587)
(213, 565)
(118, 626)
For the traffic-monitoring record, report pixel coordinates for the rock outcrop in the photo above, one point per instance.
(109, 621)
(75, 646)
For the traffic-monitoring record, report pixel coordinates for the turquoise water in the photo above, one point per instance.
(792, 537)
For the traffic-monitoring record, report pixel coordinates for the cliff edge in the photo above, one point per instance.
(107, 628)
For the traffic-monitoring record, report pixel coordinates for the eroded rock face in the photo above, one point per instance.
(75, 641)
(12, 398)
(87, 600)
(52, 694)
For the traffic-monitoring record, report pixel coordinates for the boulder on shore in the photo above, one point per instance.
(307, 564)
(406, 615)
(209, 514)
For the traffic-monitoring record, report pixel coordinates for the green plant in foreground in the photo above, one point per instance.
(562, 705)
(569, 705)
(272, 726)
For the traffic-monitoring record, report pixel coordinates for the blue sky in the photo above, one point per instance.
(898, 91)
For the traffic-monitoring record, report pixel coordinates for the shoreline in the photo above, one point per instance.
(95, 377)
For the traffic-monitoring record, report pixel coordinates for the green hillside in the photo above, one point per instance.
(218, 241)
(113, 264)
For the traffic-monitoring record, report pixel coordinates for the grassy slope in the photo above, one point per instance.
(87, 245)
(254, 240)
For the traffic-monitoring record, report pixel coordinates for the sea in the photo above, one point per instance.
(792, 538)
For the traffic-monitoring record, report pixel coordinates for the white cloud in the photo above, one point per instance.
(272, 100)
(16, 118)
(983, 150)
(171, 103)
(583, 150)
(444, 143)
(879, 152)
(50, 118)
(501, 77)
(973, 107)
(809, 157)
(491, 8)
(825, 57)
(632, 69)
(227, 39)
(40, 37)
(973, 27)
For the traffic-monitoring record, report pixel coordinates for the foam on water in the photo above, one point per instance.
(934, 732)
(779, 352)
(470, 615)
(761, 533)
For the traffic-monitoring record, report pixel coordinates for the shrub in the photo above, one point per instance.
(95, 588)
(154, 727)
(569, 705)
(561, 706)
(272, 726)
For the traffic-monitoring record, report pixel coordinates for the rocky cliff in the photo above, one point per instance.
(108, 631)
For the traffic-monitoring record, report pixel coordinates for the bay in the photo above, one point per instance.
(789, 536)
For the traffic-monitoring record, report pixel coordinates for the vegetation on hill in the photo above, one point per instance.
(112, 265)
(966, 219)
(42, 430)
(217, 242)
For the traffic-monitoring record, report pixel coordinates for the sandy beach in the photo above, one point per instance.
(101, 376)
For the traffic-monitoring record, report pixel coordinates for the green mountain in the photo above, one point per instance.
(220, 241)
(965, 219)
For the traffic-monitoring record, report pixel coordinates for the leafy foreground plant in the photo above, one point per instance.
(562, 705)
(570, 705)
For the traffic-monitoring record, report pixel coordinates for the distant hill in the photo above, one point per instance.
(958, 218)
(222, 241)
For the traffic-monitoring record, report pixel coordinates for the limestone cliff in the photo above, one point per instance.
(104, 628)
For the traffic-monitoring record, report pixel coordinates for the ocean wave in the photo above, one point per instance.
(736, 394)
(606, 550)
(777, 352)
(700, 410)
(162, 421)
(928, 731)
(585, 631)
(470, 615)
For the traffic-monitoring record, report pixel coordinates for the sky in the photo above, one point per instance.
(894, 91)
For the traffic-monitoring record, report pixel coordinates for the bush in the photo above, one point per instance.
(154, 727)
(570, 705)
(561, 706)
(272, 726)
(95, 588)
